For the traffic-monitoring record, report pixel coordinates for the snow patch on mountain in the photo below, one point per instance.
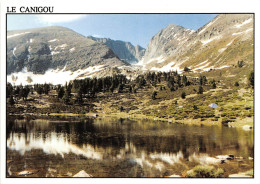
(54, 40)
(238, 33)
(243, 23)
(172, 66)
(14, 52)
(221, 67)
(55, 52)
(61, 46)
(18, 34)
(160, 59)
(242, 32)
(221, 50)
(202, 67)
(89, 71)
(204, 42)
(200, 64)
(248, 30)
(140, 63)
(52, 76)
(72, 49)
(191, 31)
(229, 43)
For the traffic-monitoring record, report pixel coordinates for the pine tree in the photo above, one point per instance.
(183, 95)
(60, 92)
(214, 86)
(186, 69)
(11, 100)
(46, 88)
(120, 88)
(9, 89)
(251, 79)
(184, 80)
(240, 64)
(130, 89)
(66, 97)
(179, 80)
(154, 95)
(202, 80)
(79, 97)
(200, 90)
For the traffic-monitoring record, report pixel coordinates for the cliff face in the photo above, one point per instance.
(124, 50)
(166, 42)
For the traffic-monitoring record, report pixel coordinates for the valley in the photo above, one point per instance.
(127, 108)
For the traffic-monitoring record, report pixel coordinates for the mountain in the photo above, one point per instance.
(166, 42)
(124, 50)
(57, 49)
(221, 43)
(58, 54)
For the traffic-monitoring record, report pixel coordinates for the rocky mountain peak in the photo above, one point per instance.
(55, 47)
(165, 42)
(124, 50)
(216, 45)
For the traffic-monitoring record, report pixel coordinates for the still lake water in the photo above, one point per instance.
(122, 148)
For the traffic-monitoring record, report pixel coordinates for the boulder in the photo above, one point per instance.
(27, 172)
(82, 174)
(247, 127)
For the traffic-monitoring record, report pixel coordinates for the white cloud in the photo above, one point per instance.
(58, 18)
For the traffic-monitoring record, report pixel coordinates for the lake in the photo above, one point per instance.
(109, 147)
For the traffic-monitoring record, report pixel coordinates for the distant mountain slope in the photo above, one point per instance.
(221, 43)
(39, 50)
(124, 50)
(166, 43)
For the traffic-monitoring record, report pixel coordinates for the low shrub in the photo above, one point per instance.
(205, 171)
(226, 120)
(214, 119)
(250, 173)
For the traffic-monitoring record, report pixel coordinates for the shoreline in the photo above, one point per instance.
(246, 123)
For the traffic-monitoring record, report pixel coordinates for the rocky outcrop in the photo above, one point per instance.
(166, 42)
(124, 50)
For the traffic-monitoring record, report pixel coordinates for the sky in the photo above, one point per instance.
(134, 28)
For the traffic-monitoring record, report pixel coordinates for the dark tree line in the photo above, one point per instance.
(17, 92)
(89, 87)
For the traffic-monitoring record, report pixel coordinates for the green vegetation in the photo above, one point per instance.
(240, 64)
(251, 79)
(204, 171)
(161, 95)
(183, 95)
(250, 173)
(186, 69)
(200, 90)
(236, 84)
(154, 95)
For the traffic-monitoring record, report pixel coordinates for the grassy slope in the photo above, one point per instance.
(235, 103)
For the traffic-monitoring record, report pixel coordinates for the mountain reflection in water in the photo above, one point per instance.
(53, 144)
(155, 145)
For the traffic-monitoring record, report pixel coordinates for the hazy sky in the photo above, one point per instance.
(135, 28)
